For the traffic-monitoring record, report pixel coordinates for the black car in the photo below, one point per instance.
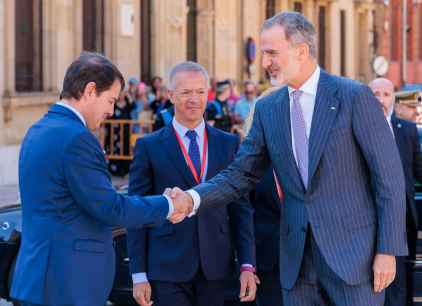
(121, 294)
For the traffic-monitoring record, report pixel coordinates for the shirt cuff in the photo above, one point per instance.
(171, 207)
(139, 278)
(196, 201)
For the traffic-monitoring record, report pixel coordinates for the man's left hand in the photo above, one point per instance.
(384, 268)
(248, 281)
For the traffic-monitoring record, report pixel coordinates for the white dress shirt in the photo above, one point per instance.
(307, 102)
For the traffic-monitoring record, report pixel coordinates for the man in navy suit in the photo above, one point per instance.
(66, 255)
(343, 220)
(186, 264)
(406, 135)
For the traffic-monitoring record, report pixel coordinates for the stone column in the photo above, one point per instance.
(205, 35)
(9, 52)
(2, 68)
(168, 41)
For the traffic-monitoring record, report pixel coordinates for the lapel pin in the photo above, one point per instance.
(333, 108)
(399, 125)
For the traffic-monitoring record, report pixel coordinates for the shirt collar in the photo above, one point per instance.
(311, 85)
(74, 110)
(182, 130)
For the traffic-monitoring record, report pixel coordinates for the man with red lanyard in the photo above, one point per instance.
(186, 264)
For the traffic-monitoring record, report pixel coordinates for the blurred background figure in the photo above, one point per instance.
(400, 292)
(120, 135)
(133, 83)
(162, 108)
(234, 97)
(156, 84)
(212, 89)
(246, 102)
(140, 105)
(218, 113)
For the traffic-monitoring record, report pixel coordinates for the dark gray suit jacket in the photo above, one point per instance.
(355, 199)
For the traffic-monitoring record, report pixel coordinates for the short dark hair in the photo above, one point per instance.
(90, 67)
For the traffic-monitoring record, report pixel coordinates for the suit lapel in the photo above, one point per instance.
(325, 112)
(397, 129)
(214, 149)
(174, 153)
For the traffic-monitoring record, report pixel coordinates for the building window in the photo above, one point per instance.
(28, 49)
(191, 30)
(270, 9)
(297, 7)
(146, 69)
(93, 25)
(343, 42)
(322, 36)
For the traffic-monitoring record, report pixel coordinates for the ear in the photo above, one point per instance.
(90, 89)
(172, 96)
(303, 51)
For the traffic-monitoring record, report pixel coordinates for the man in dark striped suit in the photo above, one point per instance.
(406, 136)
(343, 219)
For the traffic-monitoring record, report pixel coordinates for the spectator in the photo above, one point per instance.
(121, 146)
(246, 102)
(212, 89)
(156, 84)
(140, 105)
(162, 100)
(234, 97)
(132, 88)
(218, 110)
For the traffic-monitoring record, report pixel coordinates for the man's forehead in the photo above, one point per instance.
(382, 84)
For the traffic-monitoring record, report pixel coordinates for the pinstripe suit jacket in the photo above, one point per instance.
(355, 198)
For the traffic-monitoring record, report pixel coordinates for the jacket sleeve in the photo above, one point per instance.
(417, 155)
(385, 168)
(140, 183)
(242, 223)
(90, 185)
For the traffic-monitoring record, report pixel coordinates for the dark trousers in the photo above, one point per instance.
(399, 293)
(318, 285)
(269, 291)
(197, 292)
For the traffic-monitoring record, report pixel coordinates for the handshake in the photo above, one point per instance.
(182, 204)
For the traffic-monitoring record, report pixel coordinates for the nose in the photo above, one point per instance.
(265, 61)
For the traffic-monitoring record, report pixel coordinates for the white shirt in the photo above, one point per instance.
(307, 103)
(74, 110)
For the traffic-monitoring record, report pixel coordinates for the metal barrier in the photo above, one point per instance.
(118, 137)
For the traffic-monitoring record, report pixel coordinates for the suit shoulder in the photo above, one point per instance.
(151, 137)
(229, 137)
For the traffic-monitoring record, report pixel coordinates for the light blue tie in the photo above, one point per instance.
(299, 136)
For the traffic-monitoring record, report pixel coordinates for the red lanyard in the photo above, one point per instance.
(278, 187)
(188, 159)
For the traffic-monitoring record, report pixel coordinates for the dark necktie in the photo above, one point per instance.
(194, 154)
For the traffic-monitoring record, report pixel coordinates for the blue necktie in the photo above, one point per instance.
(194, 154)
(299, 135)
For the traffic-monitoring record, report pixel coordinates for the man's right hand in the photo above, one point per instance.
(182, 204)
(142, 293)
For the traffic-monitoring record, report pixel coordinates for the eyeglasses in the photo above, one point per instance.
(186, 94)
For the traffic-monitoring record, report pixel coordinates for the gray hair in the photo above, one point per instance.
(187, 66)
(297, 29)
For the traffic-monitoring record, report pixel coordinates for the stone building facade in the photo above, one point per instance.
(40, 38)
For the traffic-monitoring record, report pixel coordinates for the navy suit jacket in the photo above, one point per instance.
(355, 198)
(267, 209)
(407, 140)
(69, 206)
(174, 252)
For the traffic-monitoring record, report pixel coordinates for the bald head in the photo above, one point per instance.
(383, 89)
